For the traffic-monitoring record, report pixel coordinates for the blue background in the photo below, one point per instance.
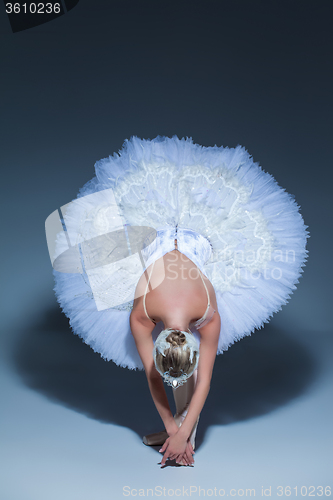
(253, 73)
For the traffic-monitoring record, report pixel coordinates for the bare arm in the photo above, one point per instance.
(144, 343)
(207, 354)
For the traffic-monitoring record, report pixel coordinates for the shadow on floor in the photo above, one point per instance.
(255, 376)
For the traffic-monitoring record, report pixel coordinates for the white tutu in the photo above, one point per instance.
(231, 219)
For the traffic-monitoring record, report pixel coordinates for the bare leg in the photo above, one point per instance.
(183, 394)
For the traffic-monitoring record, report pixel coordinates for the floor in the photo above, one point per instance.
(72, 423)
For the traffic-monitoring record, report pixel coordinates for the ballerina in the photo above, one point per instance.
(178, 299)
(174, 243)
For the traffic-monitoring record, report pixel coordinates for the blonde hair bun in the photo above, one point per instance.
(176, 338)
(176, 355)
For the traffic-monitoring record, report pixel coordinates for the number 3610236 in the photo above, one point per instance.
(33, 8)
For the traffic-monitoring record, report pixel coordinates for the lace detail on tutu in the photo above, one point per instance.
(211, 203)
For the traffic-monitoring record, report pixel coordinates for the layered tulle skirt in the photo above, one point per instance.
(230, 218)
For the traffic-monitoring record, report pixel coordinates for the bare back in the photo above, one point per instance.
(173, 286)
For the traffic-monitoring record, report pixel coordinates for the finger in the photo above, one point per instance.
(191, 453)
(188, 452)
(164, 459)
(191, 448)
(185, 459)
(164, 447)
(189, 457)
(181, 460)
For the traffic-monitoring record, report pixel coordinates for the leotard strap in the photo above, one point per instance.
(205, 319)
(144, 297)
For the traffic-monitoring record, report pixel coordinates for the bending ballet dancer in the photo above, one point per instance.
(230, 243)
(183, 295)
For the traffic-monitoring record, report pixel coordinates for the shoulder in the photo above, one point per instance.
(211, 291)
(139, 323)
(210, 333)
(141, 331)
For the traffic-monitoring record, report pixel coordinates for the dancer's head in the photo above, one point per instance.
(176, 356)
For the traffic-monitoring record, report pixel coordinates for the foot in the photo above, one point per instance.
(155, 439)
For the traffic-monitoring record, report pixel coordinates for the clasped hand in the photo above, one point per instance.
(179, 448)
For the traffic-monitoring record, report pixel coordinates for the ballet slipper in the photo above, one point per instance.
(155, 439)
